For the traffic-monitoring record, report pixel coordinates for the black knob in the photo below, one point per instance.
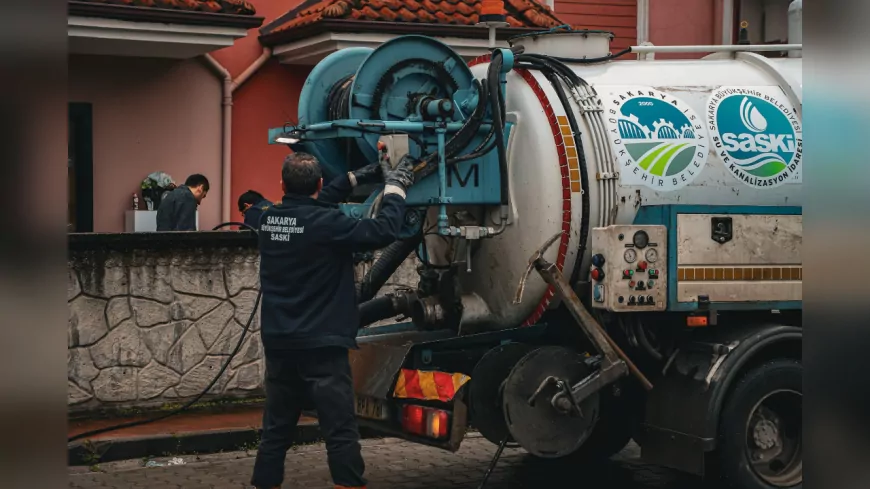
(631, 299)
(649, 299)
(640, 300)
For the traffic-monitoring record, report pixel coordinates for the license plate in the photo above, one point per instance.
(367, 407)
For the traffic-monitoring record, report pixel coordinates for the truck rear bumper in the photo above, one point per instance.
(376, 366)
(393, 427)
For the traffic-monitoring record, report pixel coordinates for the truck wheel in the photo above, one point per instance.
(760, 428)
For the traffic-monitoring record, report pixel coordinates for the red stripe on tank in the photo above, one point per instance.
(566, 182)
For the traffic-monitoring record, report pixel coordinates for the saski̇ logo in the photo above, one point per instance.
(759, 140)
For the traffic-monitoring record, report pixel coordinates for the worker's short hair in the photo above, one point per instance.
(196, 180)
(301, 174)
(251, 197)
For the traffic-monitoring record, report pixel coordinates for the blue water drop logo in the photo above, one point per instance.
(758, 137)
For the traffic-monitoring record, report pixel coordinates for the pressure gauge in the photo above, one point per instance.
(640, 240)
(630, 255)
(652, 255)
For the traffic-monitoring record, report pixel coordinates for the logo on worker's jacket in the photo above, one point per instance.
(757, 135)
(660, 141)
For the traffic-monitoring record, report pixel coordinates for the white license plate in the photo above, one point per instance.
(367, 407)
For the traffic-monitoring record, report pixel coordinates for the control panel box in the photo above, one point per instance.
(629, 268)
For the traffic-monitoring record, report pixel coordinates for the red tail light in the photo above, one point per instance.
(423, 421)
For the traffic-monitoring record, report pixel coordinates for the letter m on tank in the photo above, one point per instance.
(472, 175)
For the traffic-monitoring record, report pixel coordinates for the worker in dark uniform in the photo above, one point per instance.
(177, 211)
(251, 206)
(309, 312)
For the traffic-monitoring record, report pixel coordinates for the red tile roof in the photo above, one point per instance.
(232, 7)
(520, 13)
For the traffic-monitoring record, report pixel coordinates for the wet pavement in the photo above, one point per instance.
(394, 464)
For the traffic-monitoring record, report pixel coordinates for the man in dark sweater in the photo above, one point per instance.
(177, 211)
(251, 206)
(309, 313)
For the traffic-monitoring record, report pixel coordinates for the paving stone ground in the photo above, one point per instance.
(393, 464)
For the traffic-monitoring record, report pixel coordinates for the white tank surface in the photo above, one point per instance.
(719, 131)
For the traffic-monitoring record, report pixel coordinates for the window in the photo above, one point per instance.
(767, 19)
(80, 169)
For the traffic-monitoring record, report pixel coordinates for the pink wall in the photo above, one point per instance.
(148, 115)
(267, 99)
(617, 16)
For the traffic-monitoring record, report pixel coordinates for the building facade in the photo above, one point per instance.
(190, 86)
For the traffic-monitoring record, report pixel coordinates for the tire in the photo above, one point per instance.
(763, 410)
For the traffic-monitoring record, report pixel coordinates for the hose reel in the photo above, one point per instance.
(410, 78)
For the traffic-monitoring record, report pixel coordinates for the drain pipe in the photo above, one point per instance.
(642, 22)
(230, 86)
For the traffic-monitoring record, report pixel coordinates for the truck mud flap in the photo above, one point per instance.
(376, 364)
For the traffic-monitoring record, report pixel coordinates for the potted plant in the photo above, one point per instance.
(154, 188)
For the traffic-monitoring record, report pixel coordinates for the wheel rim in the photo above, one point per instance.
(774, 438)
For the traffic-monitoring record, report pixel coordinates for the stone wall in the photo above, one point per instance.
(150, 325)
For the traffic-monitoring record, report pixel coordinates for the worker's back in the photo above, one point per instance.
(177, 211)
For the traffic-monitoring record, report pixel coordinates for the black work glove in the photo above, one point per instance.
(366, 175)
(402, 175)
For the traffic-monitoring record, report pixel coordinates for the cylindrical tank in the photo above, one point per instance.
(712, 131)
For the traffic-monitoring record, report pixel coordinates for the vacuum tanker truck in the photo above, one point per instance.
(607, 249)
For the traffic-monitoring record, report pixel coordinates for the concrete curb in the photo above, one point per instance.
(213, 441)
(199, 443)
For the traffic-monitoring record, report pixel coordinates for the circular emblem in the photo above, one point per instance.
(758, 137)
(660, 141)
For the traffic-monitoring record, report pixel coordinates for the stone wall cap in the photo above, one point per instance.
(162, 240)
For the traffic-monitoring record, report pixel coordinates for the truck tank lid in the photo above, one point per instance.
(566, 43)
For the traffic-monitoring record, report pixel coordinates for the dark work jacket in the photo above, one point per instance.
(252, 215)
(177, 212)
(306, 266)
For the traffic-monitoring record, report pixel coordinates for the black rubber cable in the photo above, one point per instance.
(496, 101)
(193, 401)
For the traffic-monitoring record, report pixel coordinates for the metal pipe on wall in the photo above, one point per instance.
(795, 26)
(642, 21)
(226, 132)
(230, 86)
(727, 22)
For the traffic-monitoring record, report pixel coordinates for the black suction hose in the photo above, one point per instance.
(211, 384)
(375, 310)
(390, 260)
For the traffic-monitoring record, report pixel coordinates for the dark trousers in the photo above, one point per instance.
(298, 378)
